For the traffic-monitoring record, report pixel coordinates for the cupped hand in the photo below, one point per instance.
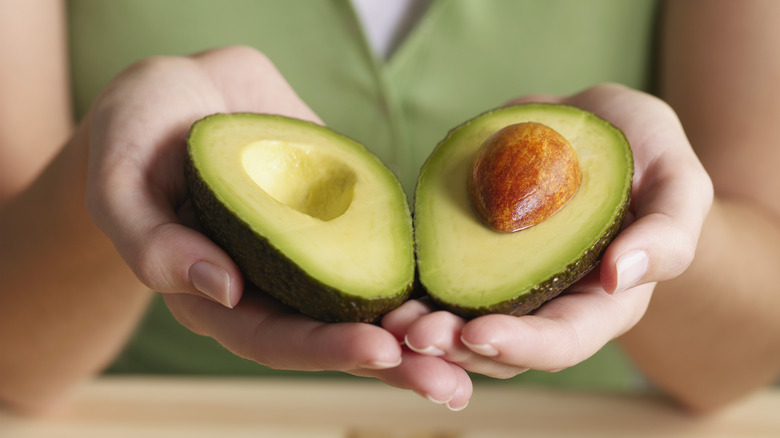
(137, 196)
(138, 128)
(671, 197)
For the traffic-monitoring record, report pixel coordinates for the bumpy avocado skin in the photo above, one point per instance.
(272, 272)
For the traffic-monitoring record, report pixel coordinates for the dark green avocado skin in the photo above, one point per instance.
(550, 288)
(273, 273)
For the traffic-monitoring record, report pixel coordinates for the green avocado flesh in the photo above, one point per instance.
(472, 270)
(309, 216)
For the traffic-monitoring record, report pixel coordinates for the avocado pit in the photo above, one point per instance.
(522, 174)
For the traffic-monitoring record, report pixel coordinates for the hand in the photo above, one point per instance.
(136, 194)
(671, 196)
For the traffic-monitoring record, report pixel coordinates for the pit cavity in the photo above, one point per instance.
(301, 177)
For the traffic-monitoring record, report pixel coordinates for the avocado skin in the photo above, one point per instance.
(550, 288)
(269, 270)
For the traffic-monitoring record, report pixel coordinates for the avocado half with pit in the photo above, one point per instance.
(471, 268)
(310, 216)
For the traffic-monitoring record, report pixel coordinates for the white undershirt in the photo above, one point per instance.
(385, 22)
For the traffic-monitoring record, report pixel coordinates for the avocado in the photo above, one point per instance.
(473, 269)
(310, 216)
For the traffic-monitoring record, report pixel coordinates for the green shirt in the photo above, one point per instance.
(462, 58)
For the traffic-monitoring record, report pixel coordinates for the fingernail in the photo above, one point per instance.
(631, 267)
(456, 408)
(438, 402)
(380, 365)
(430, 350)
(212, 280)
(481, 349)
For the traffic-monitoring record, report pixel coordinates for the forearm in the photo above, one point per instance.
(711, 335)
(67, 301)
(35, 108)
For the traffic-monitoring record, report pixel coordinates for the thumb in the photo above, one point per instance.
(136, 137)
(174, 258)
(164, 254)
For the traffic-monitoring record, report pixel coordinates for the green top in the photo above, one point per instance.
(462, 58)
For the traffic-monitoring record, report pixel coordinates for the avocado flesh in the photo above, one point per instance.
(472, 270)
(309, 216)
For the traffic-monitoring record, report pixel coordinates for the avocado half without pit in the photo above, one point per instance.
(309, 216)
(515, 205)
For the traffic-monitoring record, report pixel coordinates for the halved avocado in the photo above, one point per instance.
(472, 270)
(309, 216)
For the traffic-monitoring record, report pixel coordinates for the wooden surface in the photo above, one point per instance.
(193, 408)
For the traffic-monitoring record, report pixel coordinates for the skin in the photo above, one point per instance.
(671, 197)
(137, 234)
(36, 74)
(81, 319)
(728, 103)
(75, 314)
(710, 334)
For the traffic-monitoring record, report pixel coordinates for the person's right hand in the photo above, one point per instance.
(137, 196)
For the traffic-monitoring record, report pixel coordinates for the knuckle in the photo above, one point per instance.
(686, 253)
(507, 372)
(148, 263)
(244, 53)
(152, 64)
(144, 266)
(569, 348)
(249, 52)
(681, 252)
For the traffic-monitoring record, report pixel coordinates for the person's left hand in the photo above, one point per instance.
(671, 197)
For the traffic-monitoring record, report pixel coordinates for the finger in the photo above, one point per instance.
(135, 171)
(263, 330)
(135, 179)
(464, 391)
(671, 195)
(563, 332)
(439, 334)
(164, 254)
(433, 378)
(670, 201)
(398, 320)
